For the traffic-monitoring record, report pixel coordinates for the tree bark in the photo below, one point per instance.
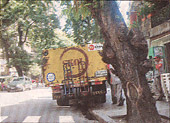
(19, 70)
(127, 51)
(10, 54)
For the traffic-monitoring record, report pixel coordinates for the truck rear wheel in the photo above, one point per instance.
(59, 102)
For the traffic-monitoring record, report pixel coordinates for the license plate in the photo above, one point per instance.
(12, 88)
(101, 73)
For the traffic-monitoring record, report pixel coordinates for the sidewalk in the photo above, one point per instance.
(108, 113)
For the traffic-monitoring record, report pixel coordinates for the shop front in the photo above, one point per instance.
(161, 46)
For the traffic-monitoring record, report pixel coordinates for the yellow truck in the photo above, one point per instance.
(75, 74)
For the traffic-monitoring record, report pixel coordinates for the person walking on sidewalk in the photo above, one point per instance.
(116, 86)
(159, 69)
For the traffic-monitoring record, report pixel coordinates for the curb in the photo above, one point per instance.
(102, 118)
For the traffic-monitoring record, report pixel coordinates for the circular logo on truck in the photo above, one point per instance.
(50, 77)
(74, 58)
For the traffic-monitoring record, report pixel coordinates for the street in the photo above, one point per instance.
(36, 105)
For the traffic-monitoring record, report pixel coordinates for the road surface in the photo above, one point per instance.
(33, 106)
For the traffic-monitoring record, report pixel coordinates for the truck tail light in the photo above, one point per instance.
(93, 82)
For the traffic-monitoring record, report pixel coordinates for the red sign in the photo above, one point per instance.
(91, 47)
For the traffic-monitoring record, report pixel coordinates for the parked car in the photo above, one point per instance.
(4, 81)
(20, 84)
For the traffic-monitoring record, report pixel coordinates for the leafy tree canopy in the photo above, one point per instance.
(79, 24)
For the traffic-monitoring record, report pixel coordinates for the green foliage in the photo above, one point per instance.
(21, 58)
(35, 70)
(135, 24)
(30, 23)
(146, 9)
(60, 40)
(80, 24)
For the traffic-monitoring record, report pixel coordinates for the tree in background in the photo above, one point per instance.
(26, 23)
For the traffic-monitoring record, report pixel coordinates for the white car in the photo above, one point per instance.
(20, 84)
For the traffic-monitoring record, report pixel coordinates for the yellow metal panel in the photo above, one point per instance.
(73, 55)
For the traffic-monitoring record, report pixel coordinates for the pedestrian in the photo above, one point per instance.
(159, 69)
(116, 86)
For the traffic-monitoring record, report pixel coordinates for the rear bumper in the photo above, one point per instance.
(82, 95)
(78, 92)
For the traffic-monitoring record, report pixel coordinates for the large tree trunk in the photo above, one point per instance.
(19, 70)
(127, 51)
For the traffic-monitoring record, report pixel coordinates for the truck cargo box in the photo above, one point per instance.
(71, 69)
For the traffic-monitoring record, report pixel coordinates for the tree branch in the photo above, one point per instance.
(27, 30)
(20, 32)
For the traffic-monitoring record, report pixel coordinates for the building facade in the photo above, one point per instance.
(156, 29)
